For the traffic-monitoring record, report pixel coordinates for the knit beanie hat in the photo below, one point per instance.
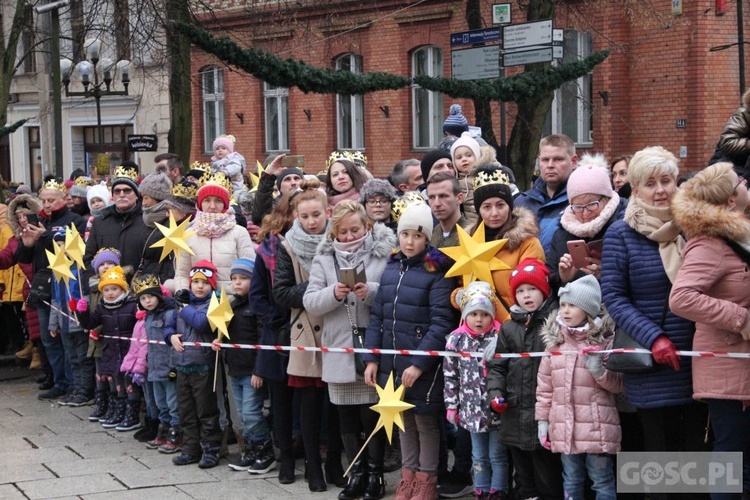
(375, 187)
(584, 293)
(288, 171)
(114, 276)
(225, 141)
(591, 176)
(491, 182)
(429, 160)
(244, 267)
(456, 123)
(157, 186)
(530, 271)
(126, 175)
(147, 284)
(99, 191)
(416, 216)
(478, 296)
(105, 255)
(204, 270)
(466, 140)
(213, 189)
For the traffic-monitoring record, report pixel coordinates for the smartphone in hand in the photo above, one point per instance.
(579, 251)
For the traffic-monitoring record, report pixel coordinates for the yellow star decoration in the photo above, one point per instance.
(220, 314)
(174, 239)
(60, 265)
(390, 407)
(475, 258)
(255, 179)
(74, 245)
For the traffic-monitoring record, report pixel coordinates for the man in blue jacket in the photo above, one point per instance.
(548, 197)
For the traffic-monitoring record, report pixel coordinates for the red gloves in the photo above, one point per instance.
(664, 353)
(93, 335)
(499, 405)
(72, 303)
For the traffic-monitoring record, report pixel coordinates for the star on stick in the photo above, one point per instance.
(220, 314)
(255, 179)
(175, 238)
(74, 245)
(60, 265)
(474, 257)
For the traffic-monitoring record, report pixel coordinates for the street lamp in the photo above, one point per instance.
(97, 76)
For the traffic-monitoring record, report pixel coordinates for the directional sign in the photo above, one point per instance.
(527, 34)
(475, 36)
(543, 54)
(476, 64)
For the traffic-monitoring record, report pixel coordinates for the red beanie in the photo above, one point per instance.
(213, 189)
(532, 272)
(204, 269)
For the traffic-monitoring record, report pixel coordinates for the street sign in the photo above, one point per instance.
(519, 58)
(527, 34)
(475, 36)
(558, 35)
(476, 64)
(143, 142)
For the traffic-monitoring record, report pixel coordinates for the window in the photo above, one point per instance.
(427, 106)
(277, 117)
(350, 122)
(212, 79)
(571, 110)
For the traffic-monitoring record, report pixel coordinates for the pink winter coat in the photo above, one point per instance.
(580, 409)
(135, 359)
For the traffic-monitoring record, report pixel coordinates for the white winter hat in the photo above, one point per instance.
(466, 140)
(416, 216)
(98, 191)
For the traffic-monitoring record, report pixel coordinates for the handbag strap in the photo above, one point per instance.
(666, 308)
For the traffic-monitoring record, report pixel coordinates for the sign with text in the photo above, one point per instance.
(527, 34)
(476, 64)
(475, 36)
(521, 57)
(142, 142)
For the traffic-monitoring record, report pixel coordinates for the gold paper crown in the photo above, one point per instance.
(485, 178)
(202, 166)
(186, 190)
(337, 156)
(84, 181)
(126, 173)
(54, 185)
(410, 198)
(475, 293)
(359, 158)
(219, 179)
(145, 282)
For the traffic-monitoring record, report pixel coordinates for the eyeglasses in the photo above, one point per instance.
(378, 201)
(122, 191)
(591, 207)
(740, 180)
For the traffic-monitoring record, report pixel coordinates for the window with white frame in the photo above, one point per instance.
(212, 79)
(350, 121)
(427, 106)
(571, 109)
(276, 100)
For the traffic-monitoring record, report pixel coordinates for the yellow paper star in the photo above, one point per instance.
(220, 314)
(390, 407)
(475, 258)
(74, 245)
(60, 265)
(174, 238)
(255, 179)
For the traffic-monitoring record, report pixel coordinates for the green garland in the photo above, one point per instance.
(12, 127)
(291, 73)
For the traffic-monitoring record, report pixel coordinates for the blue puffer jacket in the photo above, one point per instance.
(192, 323)
(412, 310)
(635, 289)
(160, 323)
(547, 210)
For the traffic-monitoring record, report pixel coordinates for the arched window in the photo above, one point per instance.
(427, 106)
(276, 101)
(350, 121)
(212, 92)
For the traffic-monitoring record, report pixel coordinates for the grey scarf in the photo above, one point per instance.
(303, 244)
(156, 213)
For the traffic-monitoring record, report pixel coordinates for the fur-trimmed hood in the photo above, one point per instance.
(697, 217)
(384, 241)
(524, 227)
(31, 201)
(553, 334)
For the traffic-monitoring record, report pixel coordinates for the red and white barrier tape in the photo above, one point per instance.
(407, 352)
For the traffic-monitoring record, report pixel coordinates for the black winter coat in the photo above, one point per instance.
(150, 263)
(119, 322)
(243, 329)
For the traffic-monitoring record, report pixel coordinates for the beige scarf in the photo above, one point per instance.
(656, 224)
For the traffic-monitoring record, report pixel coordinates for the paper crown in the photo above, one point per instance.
(218, 179)
(54, 185)
(144, 283)
(338, 156)
(84, 181)
(358, 157)
(126, 173)
(409, 198)
(201, 166)
(185, 190)
(485, 178)
(471, 293)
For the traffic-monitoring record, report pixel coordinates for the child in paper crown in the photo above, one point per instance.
(575, 394)
(466, 389)
(229, 162)
(116, 316)
(511, 383)
(199, 411)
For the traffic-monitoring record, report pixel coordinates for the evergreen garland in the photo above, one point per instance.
(292, 73)
(12, 127)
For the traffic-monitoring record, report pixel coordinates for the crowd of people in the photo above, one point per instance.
(593, 250)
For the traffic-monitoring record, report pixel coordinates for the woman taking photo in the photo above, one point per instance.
(352, 240)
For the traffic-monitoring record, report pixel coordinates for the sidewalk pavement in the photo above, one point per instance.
(53, 451)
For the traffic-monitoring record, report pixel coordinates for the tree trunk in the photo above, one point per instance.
(180, 86)
(523, 147)
(482, 109)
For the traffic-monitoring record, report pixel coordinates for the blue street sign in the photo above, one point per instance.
(475, 36)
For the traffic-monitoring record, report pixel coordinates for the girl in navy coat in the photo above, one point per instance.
(412, 310)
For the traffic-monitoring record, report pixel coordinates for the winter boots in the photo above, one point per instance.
(173, 443)
(247, 459)
(118, 414)
(131, 420)
(210, 457)
(265, 460)
(160, 438)
(100, 411)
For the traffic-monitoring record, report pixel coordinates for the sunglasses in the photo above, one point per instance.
(122, 191)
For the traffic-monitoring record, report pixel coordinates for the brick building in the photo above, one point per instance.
(660, 85)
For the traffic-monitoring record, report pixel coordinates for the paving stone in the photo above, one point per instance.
(170, 492)
(10, 492)
(248, 489)
(70, 486)
(159, 477)
(37, 456)
(11, 473)
(50, 440)
(83, 467)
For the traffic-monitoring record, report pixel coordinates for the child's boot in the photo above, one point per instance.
(481, 494)
(148, 431)
(210, 457)
(131, 420)
(101, 406)
(117, 415)
(406, 485)
(160, 439)
(173, 443)
(111, 407)
(265, 460)
(425, 487)
(186, 458)
(247, 459)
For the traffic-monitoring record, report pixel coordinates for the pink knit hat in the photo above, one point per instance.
(590, 177)
(224, 141)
